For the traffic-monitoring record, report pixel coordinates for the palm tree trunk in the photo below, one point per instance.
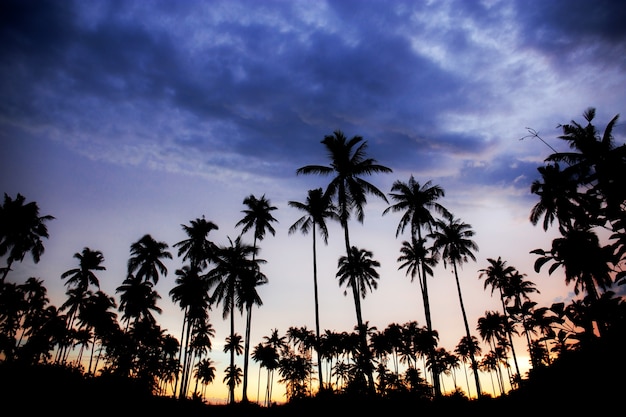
(180, 351)
(244, 397)
(317, 315)
(357, 303)
(429, 324)
(231, 387)
(509, 333)
(467, 331)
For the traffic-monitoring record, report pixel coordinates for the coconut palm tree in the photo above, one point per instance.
(258, 217)
(418, 203)
(598, 164)
(465, 349)
(497, 276)
(78, 282)
(358, 270)
(318, 208)
(205, 373)
(349, 162)
(233, 264)
(192, 294)
(452, 240)
(146, 259)
(197, 249)
(137, 300)
(21, 231)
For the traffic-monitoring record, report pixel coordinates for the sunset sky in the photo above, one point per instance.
(121, 118)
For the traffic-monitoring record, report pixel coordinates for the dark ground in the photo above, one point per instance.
(578, 385)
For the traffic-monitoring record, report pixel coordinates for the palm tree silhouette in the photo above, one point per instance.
(596, 163)
(318, 208)
(497, 276)
(146, 259)
(418, 202)
(192, 294)
(493, 328)
(233, 264)
(205, 373)
(258, 217)
(78, 282)
(349, 162)
(137, 300)
(21, 231)
(197, 249)
(274, 344)
(465, 349)
(453, 240)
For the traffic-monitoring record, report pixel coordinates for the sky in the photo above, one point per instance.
(125, 118)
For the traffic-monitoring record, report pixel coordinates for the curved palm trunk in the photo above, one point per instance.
(467, 331)
(317, 314)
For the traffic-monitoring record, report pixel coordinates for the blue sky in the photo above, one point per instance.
(122, 118)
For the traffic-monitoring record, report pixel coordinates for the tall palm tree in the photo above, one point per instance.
(192, 294)
(258, 217)
(197, 249)
(146, 259)
(137, 300)
(586, 262)
(465, 349)
(88, 261)
(78, 281)
(418, 203)
(277, 344)
(453, 240)
(497, 276)
(359, 271)
(21, 231)
(597, 163)
(318, 207)
(233, 264)
(349, 162)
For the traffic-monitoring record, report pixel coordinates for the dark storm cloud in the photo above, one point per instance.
(263, 82)
(563, 27)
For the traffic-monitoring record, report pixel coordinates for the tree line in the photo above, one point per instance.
(580, 192)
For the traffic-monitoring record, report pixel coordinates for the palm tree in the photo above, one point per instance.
(493, 328)
(497, 276)
(233, 264)
(418, 203)
(465, 350)
(197, 249)
(146, 259)
(318, 208)
(78, 282)
(453, 239)
(21, 231)
(597, 164)
(258, 217)
(349, 162)
(358, 270)
(205, 373)
(83, 276)
(192, 293)
(137, 299)
(558, 198)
